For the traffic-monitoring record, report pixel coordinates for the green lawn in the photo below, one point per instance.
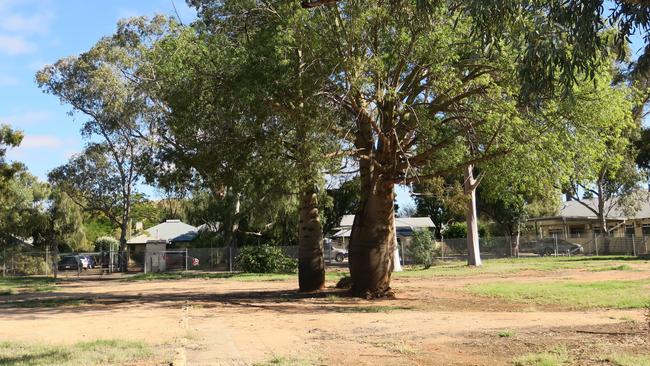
(14, 285)
(99, 352)
(578, 294)
(504, 266)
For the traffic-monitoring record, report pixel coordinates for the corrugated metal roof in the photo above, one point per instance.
(170, 230)
(575, 209)
(407, 222)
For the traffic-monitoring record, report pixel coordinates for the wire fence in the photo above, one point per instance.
(46, 263)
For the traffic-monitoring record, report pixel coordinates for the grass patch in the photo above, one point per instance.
(45, 303)
(556, 357)
(504, 266)
(15, 285)
(506, 334)
(628, 360)
(399, 347)
(601, 294)
(370, 309)
(622, 267)
(99, 352)
(7, 291)
(332, 297)
(284, 361)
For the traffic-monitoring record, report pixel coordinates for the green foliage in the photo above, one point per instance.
(95, 226)
(106, 243)
(421, 248)
(558, 356)
(91, 353)
(27, 265)
(340, 201)
(264, 259)
(459, 230)
(578, 294)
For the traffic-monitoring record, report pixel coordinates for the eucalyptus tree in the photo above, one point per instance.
(267, 81)
(101, 85)
(100, 181)
(9, 138)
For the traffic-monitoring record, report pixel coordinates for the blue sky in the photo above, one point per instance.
(34, 33)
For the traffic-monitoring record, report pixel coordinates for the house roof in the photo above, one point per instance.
(400, 222)
(170, 230)
(614, 211)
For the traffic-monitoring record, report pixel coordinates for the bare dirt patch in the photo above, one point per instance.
(432, 321)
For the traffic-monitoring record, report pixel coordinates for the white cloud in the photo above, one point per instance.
(33, 24)
(8, 80)
(26, 118)
(42, 142)
(15, 45)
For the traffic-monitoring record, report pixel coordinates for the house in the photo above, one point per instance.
(628, 228)
(405, 227)
(175, 232)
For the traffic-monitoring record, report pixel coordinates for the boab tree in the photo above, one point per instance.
(425, 100)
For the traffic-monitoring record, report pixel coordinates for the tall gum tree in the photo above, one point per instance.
(279, 79)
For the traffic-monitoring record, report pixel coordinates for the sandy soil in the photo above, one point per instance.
(227, 322)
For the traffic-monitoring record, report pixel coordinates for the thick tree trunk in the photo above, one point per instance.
(473, 250)
(311, 266)
(372, 242)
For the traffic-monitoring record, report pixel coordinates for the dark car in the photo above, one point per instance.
(70, 262)
(179, 260)
(550, 246)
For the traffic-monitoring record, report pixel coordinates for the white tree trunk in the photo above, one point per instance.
(473, 251)
(397, 266)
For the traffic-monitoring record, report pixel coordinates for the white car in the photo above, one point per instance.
(338, 254)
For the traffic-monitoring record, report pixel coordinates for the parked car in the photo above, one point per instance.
(178, 260)
(338, 254)
(548, 246)
(70, 262)
(87, 261)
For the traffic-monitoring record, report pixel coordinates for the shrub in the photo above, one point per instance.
(421, 248)
(265, 259)
(26, 265)
(106, 243)
(459, 230)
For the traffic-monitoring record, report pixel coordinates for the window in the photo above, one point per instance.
(629, 230)
(645, 230)
(577, 231)
(556, 233)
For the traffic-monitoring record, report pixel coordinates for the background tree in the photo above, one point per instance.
(102, 182)
(602, 173)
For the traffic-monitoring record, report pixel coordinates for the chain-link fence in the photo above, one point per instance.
(45, 263)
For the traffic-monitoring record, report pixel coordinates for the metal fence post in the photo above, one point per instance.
(633, 247)
(186, 259)
(230, 258)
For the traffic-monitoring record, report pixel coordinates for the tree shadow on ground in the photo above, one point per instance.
(280, 301)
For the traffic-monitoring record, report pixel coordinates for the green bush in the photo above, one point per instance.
(106, 243)
(459, 230)
(27, 265)
(421, 248)
(265, 259)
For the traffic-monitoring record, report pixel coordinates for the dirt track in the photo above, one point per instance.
(227, 322)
